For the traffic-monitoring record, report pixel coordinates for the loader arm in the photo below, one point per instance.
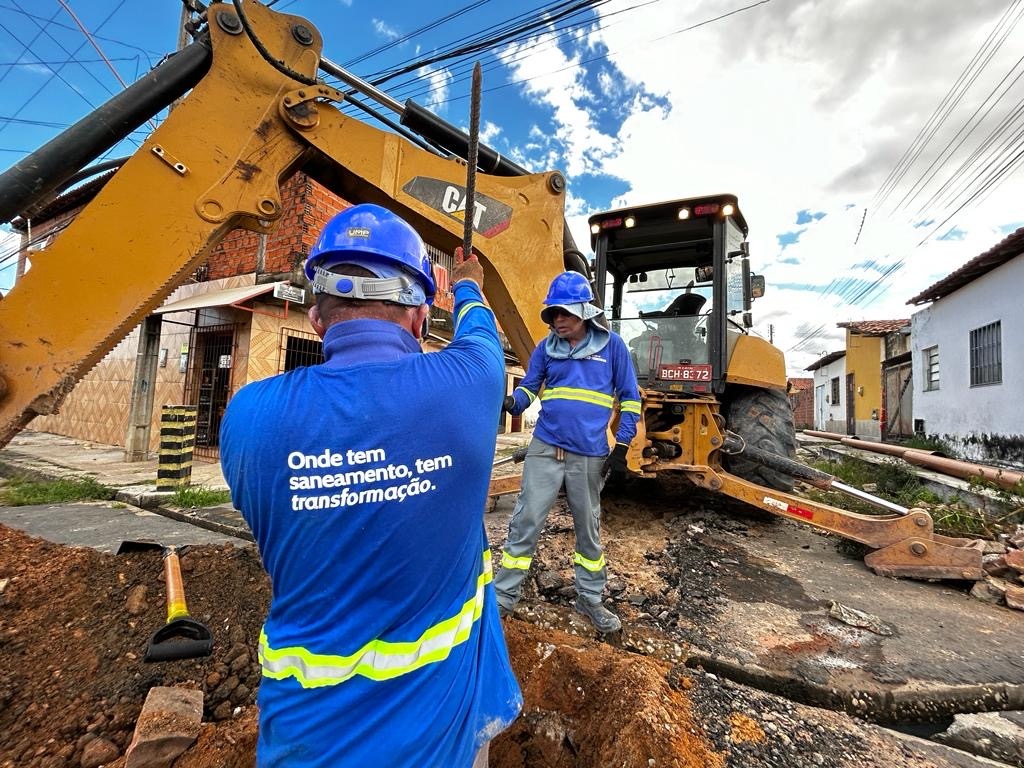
(905, 545)
(217, 163)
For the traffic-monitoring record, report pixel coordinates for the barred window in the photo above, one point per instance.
(986, 355)
(298, 349)
(835, 391)
(930, 365)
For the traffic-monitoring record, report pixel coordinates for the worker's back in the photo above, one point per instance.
(368, 514)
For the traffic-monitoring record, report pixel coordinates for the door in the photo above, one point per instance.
(851, 421)
(820, 408)
(899, 401)
(209, 384)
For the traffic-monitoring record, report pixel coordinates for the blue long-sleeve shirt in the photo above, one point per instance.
(365, 489)
(579, 396)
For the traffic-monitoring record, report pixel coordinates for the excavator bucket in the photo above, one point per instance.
(937, 558)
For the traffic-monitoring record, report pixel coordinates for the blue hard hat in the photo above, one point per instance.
(372, 236)
(569, 288)
(570, 291)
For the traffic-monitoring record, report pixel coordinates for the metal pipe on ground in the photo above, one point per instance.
(933, 460)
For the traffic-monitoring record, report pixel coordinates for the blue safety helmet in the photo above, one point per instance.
(374, 238)
(571, 292)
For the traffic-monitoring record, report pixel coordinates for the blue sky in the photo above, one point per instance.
(864, 171)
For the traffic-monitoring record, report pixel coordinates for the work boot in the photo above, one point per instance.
(503, 611)
(604, 621)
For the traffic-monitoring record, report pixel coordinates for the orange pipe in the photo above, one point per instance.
(1004, 478)
(929, 460)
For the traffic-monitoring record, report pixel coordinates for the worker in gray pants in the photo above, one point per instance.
(545, 470)
(582, 373)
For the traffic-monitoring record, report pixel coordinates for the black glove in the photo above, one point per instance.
(508, 403)
(615, 464)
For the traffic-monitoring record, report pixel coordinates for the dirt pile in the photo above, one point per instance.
(74, 625)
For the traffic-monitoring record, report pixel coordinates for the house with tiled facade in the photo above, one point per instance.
(967, 357)
(239, 318)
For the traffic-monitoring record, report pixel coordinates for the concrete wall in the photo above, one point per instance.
(830, 416)
(983, 423)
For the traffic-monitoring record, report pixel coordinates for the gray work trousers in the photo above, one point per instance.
(543, 476)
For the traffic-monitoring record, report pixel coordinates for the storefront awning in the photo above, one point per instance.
(225, 297)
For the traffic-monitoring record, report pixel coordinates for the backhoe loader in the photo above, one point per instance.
(253, 111)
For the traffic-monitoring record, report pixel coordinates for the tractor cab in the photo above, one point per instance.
(676, 282)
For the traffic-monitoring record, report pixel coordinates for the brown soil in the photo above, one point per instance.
(75, 623)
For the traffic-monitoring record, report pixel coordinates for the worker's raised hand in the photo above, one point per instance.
(467, 269)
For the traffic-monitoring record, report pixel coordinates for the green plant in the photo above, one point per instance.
(20, 492)
(200, 496)
(894, 482)
(929, 444)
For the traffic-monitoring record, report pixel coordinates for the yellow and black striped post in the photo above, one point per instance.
(177, 437)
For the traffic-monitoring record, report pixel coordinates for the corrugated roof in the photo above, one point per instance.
(831, 357)
(875, 327)
(1008, 248)
(225, 297)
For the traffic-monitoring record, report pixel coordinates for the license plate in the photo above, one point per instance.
(684, 372)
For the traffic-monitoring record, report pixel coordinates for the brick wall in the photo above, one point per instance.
(801, 397)
(307, 207)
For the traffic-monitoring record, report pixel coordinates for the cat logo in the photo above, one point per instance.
(490, 216)
(454, 200)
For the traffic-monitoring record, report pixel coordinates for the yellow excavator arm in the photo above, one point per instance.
(217, 163)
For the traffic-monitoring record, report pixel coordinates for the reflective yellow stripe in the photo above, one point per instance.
(574, 393)
(527, 392)
(630, 406)
(590, 565)
(522, 563)
(465, 309)
(378, 659)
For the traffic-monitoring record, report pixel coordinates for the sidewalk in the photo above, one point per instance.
(49, 456)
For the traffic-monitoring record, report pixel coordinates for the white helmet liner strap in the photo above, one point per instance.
(397, 289)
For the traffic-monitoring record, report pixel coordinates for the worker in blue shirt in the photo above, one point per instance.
(579, 371)
(382, 647)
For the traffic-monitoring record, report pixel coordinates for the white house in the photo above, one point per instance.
(968, 356)
(829, 406)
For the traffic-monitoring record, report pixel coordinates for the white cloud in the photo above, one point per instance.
(440, 80)
(550, 77)
(383, 29)
(795, 106)
(489, 131)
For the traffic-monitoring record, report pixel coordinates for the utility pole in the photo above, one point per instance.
(771, 333)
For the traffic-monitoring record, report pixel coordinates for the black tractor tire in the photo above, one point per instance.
(764, 419)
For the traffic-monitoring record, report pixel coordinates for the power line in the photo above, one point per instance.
(952, 97)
